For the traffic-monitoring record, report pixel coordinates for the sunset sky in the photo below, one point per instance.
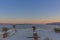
(29, 11)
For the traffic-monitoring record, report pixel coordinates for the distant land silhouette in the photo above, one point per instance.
(55, 23)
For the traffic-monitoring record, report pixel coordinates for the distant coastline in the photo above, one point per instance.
(55, 23)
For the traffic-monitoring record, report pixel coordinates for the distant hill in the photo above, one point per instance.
(55, 23)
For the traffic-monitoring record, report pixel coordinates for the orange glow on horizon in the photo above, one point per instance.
(29, 21)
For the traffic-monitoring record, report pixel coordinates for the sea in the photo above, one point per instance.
(24, 26)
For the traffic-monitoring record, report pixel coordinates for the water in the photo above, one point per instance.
(24, 26)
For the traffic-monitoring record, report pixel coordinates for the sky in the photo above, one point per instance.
(29, 11)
